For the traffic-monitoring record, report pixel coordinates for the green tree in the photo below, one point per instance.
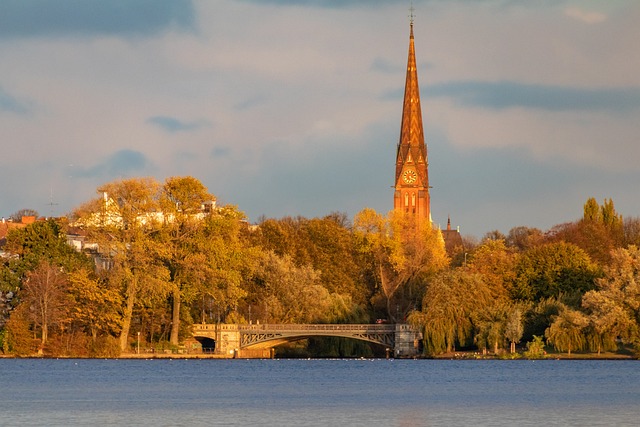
(592, 211)
(489, 323)
(41, 241)
(535, 348)
(553, 269)
(514, 327)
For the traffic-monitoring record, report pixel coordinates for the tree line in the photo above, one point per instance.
(160, 256)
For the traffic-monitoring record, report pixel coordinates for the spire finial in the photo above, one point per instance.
(411, 15)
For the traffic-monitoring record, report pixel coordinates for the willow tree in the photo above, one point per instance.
(613, 308)
(608, 321)
(567, 332)
(404, 251)
(450, 303)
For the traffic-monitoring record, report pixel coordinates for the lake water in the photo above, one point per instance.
(318, 392)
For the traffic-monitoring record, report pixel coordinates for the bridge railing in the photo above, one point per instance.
(296, 327)
(317, 327)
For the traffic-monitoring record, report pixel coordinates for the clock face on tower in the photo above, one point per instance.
(409, 176)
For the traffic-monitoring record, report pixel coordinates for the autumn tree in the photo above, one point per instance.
(592, 237)
(44, 292)
(631, 231)
(182, 204)
(17, 216)
(404, 251)
(523, 238)
(227, 263)
(94, 304)
(291, 294)
(496, 263)
(124, 221)
(327, 244)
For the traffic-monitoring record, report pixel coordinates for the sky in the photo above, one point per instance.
(292, 107)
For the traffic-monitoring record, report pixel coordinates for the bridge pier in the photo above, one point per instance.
(257, 341)
(407, 341)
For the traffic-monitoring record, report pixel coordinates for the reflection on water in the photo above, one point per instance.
(318, 392)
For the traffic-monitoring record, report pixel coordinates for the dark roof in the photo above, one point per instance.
(452, 240)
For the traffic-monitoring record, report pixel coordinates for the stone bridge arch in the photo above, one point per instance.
(233, 340)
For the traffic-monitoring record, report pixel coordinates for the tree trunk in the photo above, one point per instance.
(126, 321)
(45, 326)
(175, 322)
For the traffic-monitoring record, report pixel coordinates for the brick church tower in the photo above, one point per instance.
(412, 178)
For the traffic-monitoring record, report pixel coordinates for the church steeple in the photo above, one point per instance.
(412, 178)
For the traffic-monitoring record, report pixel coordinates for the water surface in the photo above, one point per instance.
(318, 392)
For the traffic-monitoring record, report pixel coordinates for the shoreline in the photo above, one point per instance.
(455, 356)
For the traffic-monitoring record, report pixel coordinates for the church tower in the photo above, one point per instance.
(412, 179)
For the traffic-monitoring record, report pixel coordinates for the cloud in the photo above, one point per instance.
(11, 104)
(173, 125)
(44, 18)
(220, 152)
(505, 94)
(385, 66)
(585, 16)
(121, 163)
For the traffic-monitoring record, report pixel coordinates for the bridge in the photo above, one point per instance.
(249, 341)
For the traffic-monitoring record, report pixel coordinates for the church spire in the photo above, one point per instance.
(412, 178)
